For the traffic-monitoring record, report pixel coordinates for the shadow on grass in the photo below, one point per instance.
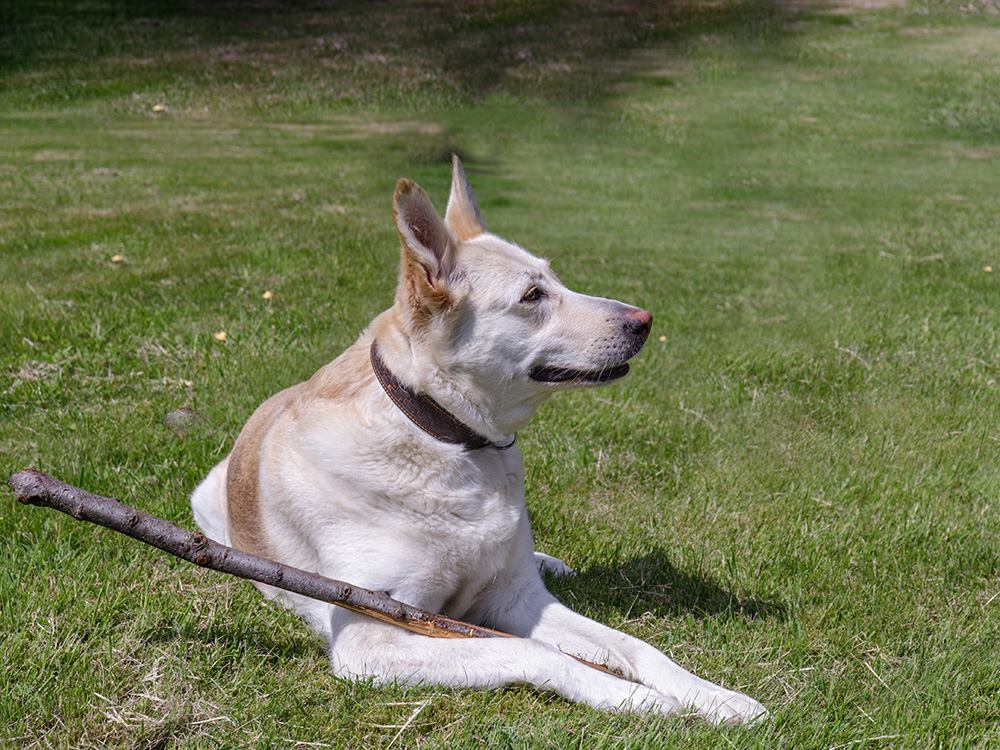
(651, 583)
(228, 636)
(643, 583)
(361, 51)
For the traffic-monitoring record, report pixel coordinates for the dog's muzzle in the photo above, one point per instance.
(637, 323)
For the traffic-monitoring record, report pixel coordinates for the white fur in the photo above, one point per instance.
(350, 488)
(210, 511)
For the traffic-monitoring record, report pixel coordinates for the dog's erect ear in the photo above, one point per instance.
(462, 216)
(428, 258)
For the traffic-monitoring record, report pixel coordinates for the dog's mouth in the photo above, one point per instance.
(567, 375)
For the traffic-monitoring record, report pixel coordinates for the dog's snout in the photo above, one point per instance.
(638, 322)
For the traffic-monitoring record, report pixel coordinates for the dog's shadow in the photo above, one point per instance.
(651, 583)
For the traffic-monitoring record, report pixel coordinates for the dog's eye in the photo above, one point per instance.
(533, 295)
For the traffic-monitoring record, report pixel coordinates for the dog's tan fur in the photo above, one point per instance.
(329, 475)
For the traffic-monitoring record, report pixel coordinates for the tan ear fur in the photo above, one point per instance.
(462, 215)
(428, 250)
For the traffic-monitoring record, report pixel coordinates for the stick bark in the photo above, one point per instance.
(32, 487)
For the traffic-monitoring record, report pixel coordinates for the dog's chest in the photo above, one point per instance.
(416, 489)
(425, 520)
(462, 529)
(474, 495)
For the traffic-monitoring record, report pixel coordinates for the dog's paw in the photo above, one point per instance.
(553, 565)
(723, 706)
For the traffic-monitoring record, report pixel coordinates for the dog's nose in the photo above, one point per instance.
(638, 322)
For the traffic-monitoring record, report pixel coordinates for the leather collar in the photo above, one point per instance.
(428, 414)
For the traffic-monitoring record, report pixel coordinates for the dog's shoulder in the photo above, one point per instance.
(342, 381)
(243, 474)
(265, 438)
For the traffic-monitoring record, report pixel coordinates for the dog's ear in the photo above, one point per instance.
(428, 252)
(462, 215)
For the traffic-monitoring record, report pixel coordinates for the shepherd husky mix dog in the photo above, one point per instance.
(395, 467)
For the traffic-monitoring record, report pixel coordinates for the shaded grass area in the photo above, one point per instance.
(282, 56)
(794, 493)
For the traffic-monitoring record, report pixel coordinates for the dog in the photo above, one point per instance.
(395, 467)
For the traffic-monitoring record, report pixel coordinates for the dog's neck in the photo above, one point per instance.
(426, 413)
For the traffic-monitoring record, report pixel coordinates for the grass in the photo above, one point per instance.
(795, 493)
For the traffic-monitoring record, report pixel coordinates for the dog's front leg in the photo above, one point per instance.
(575, 634)
(362, 647)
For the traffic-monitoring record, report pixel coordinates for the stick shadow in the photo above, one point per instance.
(231, 637)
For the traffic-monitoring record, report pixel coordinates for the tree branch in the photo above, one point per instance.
(35, 488)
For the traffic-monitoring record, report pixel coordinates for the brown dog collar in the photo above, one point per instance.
(428, 414)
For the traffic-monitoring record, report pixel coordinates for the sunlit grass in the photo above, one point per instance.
(793, 493)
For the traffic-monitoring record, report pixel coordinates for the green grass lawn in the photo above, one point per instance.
(795, 492)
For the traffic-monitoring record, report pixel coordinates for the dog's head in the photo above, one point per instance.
(487, 322)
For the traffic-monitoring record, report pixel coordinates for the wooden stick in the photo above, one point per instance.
(32, 487)
(35, 488)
